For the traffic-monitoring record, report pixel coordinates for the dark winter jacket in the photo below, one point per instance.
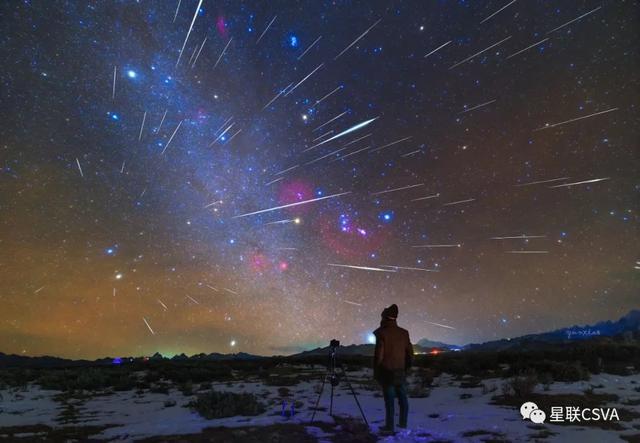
(393, 354)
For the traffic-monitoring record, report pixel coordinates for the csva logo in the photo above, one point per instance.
(571, 414)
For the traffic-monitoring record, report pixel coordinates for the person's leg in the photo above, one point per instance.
(403, 401)
(389, 392)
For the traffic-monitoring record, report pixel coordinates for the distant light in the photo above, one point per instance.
(305, 117)
(371, 339)
(232, 343)
(119, 276)
(131, 73)
(297, 220)
(117, 361)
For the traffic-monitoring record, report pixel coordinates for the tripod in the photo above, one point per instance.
(334, 379)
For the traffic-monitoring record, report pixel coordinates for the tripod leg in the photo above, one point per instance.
(344, 375)
(331, 404)
(315, 409)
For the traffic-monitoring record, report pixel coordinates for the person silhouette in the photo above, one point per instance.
(393, 356)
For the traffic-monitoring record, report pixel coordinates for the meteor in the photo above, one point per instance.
(113, 93)
(458, 202)
(438, 48)
(177, 9)
(304, 202)
(195, 15)
(144, 117)
(398, 189)
(362, 268)
(286, 170)
(222, 54)
(310, 46)
(334, 118)
(542, 181)
(79, 168)
(426, 197)
(548, 126)
(575, 19)
(580, 183)
(438, 324)
(326, 96)
(212, 288)
(478, 53)
(477, 106)
(517, 237)
(163, 305)
(199, 51)
(438, 246)
(505, 6)
(357, 39)
(409, 268)
(273, 181)
(303, 80)
(147, 323)
(171, 138)
(276, 97)
(343, 133)
(38, 290)
(231, 291)
(350, 154)
(352, 303)
(162, 120)
(266, 29)
(527, 48)
(192, 299)
(527, 252)
(391, 144)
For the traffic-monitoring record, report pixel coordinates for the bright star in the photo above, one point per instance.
(131, 73)
(371, 338)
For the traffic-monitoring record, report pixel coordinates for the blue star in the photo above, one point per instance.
(386, 216)
(131, 73)
(293, 41)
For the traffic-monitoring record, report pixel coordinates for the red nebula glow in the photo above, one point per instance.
(283, 266)
(259, 262)
(221, 26)
(352, 243)
(294, 192)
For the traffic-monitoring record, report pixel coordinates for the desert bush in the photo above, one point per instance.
(186, 388)
(521, 386)
(281, 381)
(487, 389)
(214, 404)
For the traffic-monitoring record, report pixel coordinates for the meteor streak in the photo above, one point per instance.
(477, 106)
(79, 168)
(163, 305)
(409, 268)
(527, 48)
(357, 39)
(548, 126)
(147, 323)
(542, 181)
(352, 303)
(302, 81)
(426, 197)
(171, 138)
(266, 29)
(222, 54)
(580, 183)
(326, 123)
(292, 204)
(310, 46)
(438, 246)
(113, 93)
(575, 19)
(438, 324)
(192, 299)
(479, 52)
(391, 144)
(195, 15)
(398, 189)
(362, 268)
(517, 237)
(527, 252)
(505, 6)
(144, 117)
(438, 48)
(343, 133)
(458, 202)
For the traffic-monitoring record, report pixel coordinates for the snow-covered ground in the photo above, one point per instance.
(449, 412)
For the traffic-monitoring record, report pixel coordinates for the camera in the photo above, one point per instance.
(334, 343)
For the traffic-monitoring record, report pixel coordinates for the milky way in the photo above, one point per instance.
(265, 176)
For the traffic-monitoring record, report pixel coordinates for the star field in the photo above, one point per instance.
(265, 176)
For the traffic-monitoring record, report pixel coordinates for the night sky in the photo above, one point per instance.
(277, 178)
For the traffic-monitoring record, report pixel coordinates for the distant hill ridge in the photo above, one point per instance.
(628, 324)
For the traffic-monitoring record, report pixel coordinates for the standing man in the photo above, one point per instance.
(393, 357)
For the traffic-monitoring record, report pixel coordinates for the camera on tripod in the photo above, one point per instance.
(334, 343)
